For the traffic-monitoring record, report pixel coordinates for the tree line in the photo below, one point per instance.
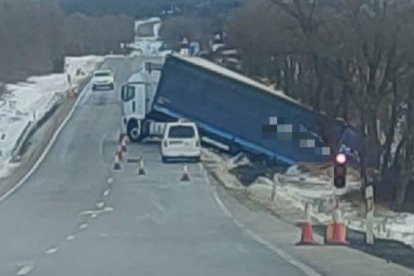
(349, 59)
(35, 35)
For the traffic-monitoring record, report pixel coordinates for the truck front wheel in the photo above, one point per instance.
(133, 131)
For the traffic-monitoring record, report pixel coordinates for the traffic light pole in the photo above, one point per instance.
(369, 197)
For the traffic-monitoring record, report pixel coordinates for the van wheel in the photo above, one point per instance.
(133, 131)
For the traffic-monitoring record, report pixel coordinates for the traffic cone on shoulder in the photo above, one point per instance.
(335, 233)
(307, 230)
(119, 154)
(141, 169)
(124, 143)
(117, 164)
(185, 176)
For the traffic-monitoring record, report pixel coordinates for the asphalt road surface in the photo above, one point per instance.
(75, 216)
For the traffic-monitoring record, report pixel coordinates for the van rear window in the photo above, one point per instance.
(181, 132)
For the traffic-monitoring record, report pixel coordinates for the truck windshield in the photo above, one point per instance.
(181, 132)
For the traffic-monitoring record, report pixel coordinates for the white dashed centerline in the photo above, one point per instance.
(70, 238)
(106, 192)
(25, 270)
(52, 250)
(83, 226)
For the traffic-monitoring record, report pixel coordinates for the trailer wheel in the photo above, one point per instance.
(133, 131)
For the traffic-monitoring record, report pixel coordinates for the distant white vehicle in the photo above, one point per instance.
(181, 141)
(103, 79)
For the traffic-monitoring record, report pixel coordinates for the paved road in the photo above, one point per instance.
(75, 216)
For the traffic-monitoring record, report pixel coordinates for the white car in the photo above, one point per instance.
(103, 79)
(180, 141)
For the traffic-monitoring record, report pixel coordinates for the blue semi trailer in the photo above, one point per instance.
(237, 113)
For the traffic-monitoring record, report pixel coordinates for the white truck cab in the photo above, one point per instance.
(137, 97)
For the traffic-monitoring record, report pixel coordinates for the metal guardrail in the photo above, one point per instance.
(31, 128)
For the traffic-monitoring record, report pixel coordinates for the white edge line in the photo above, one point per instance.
(284, 255)
(47, 149)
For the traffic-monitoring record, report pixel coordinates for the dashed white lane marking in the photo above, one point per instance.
(110, 180)
(142, 217)
(83, 226)
(158, 206)
(106, 192)
(94, 215)
(25, 270)
(52, 250)
(100, 204)
(108, 209)
(284, 255)
(70, 238)
(90, 212)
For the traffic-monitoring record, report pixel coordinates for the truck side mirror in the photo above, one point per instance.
(127, 93)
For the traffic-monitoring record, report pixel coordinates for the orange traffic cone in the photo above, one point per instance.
(185, 176)
(335, 233)
(119, 154)
(307, 235)
(307, 230)
(117, 164)
(141, 169)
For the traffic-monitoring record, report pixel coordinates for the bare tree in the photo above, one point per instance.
(192, 27)
(349, 60)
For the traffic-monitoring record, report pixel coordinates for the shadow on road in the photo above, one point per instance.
(390, 251)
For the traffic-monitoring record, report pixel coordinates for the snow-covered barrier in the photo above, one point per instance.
(27, 103)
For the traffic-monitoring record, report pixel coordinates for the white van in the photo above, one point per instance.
(181, 141)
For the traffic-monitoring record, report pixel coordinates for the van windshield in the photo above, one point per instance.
(181, 132)
(102, 74)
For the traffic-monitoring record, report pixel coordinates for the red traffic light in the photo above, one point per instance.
(340, 158)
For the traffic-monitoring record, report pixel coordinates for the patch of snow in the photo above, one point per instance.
(237, 161)
(29, 101)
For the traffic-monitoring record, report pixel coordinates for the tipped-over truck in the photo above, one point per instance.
(231, 111)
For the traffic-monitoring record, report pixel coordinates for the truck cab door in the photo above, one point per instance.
(127, 97)
(134, 101)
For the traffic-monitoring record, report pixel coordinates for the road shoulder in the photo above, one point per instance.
(326, 260)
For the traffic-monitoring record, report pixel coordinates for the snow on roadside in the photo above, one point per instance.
(290, 191)
(29, 101)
